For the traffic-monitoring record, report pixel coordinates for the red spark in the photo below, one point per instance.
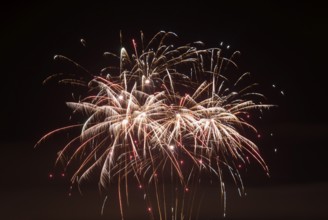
(135, 46)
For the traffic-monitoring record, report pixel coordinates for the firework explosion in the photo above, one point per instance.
(163, 113)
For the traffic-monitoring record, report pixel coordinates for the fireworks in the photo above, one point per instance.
(163, 114)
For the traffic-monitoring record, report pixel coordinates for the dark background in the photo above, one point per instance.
(282, 44)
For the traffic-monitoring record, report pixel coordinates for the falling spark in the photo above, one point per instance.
(139, 124)
(83, 42)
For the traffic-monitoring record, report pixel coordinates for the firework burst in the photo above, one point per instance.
(162, 113)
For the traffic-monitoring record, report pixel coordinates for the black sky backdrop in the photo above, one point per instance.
(282, 44)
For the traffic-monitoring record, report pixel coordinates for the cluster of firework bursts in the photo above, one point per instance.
(162, 119)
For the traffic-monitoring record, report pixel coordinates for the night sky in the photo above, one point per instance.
(284, 45)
